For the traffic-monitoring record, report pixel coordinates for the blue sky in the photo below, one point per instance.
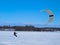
(28, 11)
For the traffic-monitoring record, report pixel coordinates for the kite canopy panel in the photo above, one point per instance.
(51, 15)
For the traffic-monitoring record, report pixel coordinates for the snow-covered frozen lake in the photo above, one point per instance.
(29, 38)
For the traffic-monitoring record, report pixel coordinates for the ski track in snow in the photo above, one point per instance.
(29, 38)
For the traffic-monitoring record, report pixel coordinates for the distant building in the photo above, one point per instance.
(9, 29)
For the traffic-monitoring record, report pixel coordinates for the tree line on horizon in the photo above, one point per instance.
(30, 28)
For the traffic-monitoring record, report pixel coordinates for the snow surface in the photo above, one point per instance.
(29, 38)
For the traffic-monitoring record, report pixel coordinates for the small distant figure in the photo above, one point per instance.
(15, 34)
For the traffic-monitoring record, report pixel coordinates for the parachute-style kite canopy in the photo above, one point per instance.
(51, 15)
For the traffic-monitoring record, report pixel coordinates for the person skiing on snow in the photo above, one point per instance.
(15, 34)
